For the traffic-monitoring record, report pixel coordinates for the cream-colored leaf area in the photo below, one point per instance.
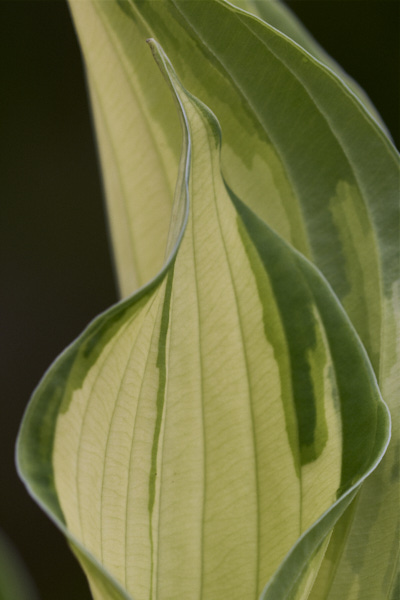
(321, 478)
(363, 300)
(94, 438)
(263, 180)
(139, 139)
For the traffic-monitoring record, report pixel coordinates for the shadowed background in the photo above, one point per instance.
(56, 271)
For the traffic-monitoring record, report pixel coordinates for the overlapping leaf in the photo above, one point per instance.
(219, 419)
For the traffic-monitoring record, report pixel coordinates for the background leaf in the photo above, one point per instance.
(15, 581)
(278, 14)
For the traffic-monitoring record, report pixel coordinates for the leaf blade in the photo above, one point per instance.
(119, 422)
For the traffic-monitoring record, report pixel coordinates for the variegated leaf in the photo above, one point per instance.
(201, 438)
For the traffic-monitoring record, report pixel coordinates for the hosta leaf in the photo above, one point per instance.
(277, 14)
(139, 139)
(15, 581)
(218, 420)
(304, 154)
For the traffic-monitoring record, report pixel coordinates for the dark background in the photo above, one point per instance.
(56, 272)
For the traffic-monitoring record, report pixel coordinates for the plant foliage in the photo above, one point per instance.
(217, 434)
